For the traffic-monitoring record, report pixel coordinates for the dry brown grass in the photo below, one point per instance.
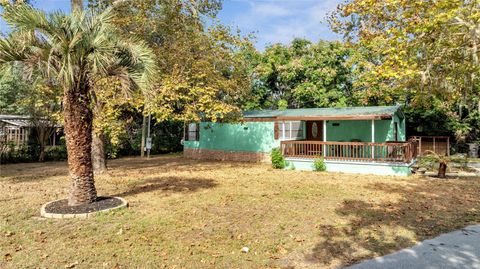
(191, 214)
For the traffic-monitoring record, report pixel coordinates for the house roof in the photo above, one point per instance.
(16, 120)
(19, 121)
(341, 113)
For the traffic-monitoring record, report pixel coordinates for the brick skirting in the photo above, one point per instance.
(220, 155)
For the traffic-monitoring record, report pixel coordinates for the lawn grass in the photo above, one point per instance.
(195, 214)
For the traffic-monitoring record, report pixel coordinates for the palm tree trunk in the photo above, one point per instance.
(98, 153)
(442, 170)
(78, 132)
(76, 4)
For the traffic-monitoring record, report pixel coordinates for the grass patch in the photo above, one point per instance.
(195, 214)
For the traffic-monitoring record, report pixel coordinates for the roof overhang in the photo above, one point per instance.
(16, 123)
(311, 114)
(353, 117)
(314, 118)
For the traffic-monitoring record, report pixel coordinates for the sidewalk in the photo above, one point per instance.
(459, 249)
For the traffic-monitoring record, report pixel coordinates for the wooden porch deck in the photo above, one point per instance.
(393, 152)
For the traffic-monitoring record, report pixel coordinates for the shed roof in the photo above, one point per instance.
(20, 121)
(340, 113)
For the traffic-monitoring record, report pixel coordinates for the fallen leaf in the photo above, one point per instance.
(7, 257)
(282, 250)
(8, 234)
(72, 265)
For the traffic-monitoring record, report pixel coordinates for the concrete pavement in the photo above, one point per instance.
(456, 250)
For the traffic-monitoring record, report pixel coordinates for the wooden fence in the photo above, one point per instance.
(437, 144)
(351, 151)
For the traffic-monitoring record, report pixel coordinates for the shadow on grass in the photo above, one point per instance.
(30, 172)
(170, 184)
(424, 210)
(170, 162)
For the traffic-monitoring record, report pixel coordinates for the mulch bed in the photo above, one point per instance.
(62, 207)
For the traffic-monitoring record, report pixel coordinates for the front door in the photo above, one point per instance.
(315, 130)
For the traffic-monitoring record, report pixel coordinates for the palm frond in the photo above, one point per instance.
(10, 52)
(26, 18)
(76, 49)
(140, 61)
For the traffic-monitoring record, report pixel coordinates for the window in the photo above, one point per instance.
(193, 132)
(291, 130)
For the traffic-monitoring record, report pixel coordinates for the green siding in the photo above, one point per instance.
(249, 136)
(348, 130)
(259, 137)
(384, 130)
(402, 133)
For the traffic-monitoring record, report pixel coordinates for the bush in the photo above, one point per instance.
(319, 164)
(278, 162)
(9, 153)
(289, 165)
(12, 154)
(57, 153)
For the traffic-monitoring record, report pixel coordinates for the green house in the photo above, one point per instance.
(352, 139)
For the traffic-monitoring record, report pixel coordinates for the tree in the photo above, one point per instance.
(433, 159)
(12, 90)
(99, 162)
(13, 2)
(302, 74)
(417, 53)
(34, 97)
(75, 51)
(43, 104)
(109, 105)
(76, 5)
(202, 71)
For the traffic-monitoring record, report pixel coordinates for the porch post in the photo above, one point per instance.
(448, 139)
(324, 138)
(373, 138)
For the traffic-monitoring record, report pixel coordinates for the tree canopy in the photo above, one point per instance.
(201, 71)
(418, 53)
(74, 52)
(301, 74)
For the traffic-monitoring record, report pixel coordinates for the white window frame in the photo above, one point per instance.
(193, 128)
(284, 134)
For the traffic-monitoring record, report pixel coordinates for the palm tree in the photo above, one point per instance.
(76, 4)
(75, 51)
(432, 159)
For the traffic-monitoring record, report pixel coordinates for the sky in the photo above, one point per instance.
(271, 21)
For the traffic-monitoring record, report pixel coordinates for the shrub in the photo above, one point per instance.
(12, 154)
(289, 165)
(57, 153)
(278, 162)
(319, 164)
